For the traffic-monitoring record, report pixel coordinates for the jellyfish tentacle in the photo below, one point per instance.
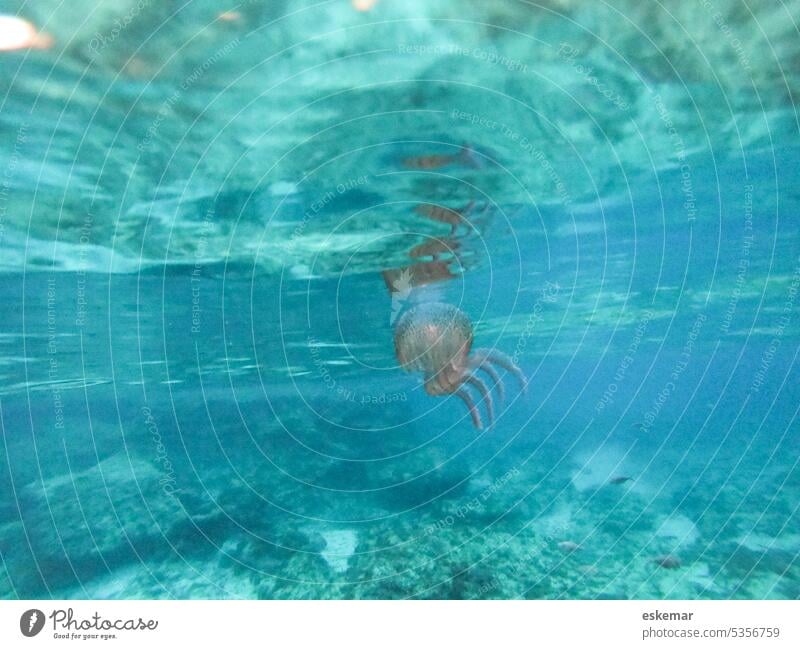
(481, 387)
(462, 394)
(481, 362)
(436, 339)
(505, 361)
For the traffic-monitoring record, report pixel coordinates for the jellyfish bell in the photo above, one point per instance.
(432, 337)
(435, 339)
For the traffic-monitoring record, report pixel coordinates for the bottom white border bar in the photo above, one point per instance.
(407, 624)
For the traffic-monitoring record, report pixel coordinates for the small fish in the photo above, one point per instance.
(568, 546)
(669, 561)
(620, 479)
(466, 156)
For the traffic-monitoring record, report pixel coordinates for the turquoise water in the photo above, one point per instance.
(210, 225)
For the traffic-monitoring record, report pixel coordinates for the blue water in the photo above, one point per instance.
(205, 226)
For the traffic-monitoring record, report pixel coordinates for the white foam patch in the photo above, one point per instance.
(340, 546)
(556, 524)
(679, 528)
(115, 586)
(580, 228)
(700, 575)
(760, 542)
(282, 188)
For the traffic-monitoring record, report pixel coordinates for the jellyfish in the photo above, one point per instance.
(436, 339)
